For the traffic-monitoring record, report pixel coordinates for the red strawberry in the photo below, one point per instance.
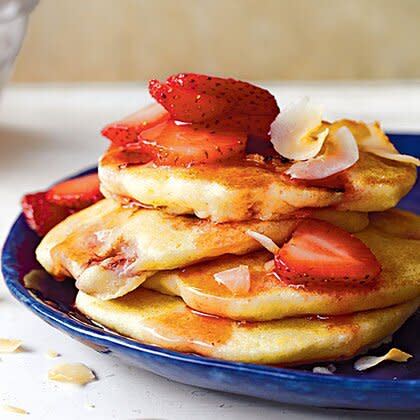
(253, 125)
(76, 193)
(40, 214)
(125, 131)
(188, 105)
(247, 98)
(321, 253)
(170, 143)
(238, 104)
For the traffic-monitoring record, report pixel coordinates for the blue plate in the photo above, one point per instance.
(390, 386)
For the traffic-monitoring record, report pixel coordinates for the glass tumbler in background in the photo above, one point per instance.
(13, 22)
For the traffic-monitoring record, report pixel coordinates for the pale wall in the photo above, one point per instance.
(107, 40)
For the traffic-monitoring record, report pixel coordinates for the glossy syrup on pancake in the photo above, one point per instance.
(110, 249)
(161, 320)
(255, 186)
(269, 298)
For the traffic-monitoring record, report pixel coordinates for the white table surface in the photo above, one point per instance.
(50, 131)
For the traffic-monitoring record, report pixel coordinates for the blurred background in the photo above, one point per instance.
(126, 40)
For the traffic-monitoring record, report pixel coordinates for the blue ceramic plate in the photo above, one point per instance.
(390, 386)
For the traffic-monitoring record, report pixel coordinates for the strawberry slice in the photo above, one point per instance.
(227, 103)
(76, 193)
(246, 98)
(126, 131)
(187, 105)
(40, 214)
(171, 143)
(321, 253)
(253, 125)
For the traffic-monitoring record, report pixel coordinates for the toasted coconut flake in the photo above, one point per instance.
(327, 370)
(237, 280)
(53, 354)
(322, 369)
(341, 152)
(265, 241)
(269, 266)
(13, 409)
(8, 345)
(75, 373)
(294, 132)
(379, 144)
(395, 156)
(367, 362)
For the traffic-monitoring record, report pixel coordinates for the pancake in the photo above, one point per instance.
(253, 188)
(269, 298)
(397, 222)
(165, 321)
(111, 250)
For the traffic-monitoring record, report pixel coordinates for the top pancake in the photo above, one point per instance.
(251, 188)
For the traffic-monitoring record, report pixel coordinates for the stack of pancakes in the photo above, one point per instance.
(145, 257)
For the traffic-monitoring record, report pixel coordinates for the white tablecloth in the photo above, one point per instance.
(50, 131)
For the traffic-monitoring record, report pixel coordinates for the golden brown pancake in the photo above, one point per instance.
(253, 188)
(391, 237)
(166, 321)
(397, 222)
(110, 250)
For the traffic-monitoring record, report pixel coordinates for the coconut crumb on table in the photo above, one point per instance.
(53, 354)
(75, 373)
(13, 409)
(8, 345)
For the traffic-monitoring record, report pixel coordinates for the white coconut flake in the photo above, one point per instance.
(53, 354)
(75, 373)
(379, 144)
(341, 153)
(8, 345)
(367, 362)
(237, 280)
(103, 235)
(269, 266)
(395, 156)
(291, 131)
(326, 370)
(264, 240)
(322, 369)
(13, 409)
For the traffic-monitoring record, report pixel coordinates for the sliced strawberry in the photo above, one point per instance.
(170, 143)
(246, 98)
(40, 214)
(125, 131)
(188, 105)
(76, 193)
(320, 253)
(229, 103)
(254, 125)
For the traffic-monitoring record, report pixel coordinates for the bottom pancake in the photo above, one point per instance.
(166, 321)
